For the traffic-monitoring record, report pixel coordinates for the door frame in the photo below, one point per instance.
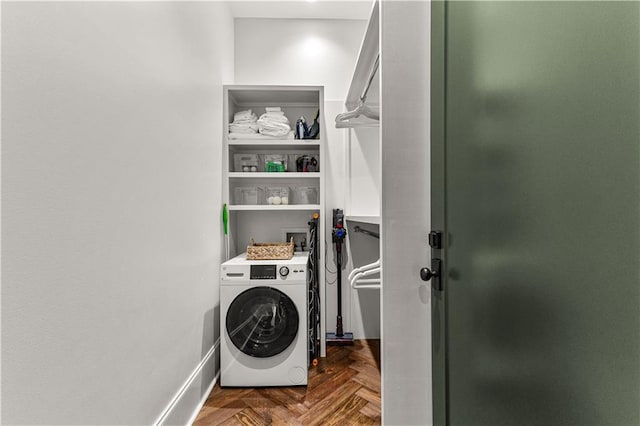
(439, 338)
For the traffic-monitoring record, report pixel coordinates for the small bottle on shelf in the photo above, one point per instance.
(301, 128)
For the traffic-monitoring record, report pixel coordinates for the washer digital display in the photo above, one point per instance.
(262, 272)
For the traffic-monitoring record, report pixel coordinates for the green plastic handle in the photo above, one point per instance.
(225, 219)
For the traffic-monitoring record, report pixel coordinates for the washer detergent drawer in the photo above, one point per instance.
(236, 273)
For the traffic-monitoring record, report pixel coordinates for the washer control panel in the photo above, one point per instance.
(268, 272)
(239, 269)
(262, 272)
(294, 272)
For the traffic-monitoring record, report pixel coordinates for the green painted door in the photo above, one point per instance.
(536, 185)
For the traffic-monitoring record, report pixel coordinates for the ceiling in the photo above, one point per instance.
(302, 9)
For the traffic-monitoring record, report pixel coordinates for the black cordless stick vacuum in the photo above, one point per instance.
(338, 235)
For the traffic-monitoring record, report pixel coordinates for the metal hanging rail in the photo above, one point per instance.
(364, 231)
(372, 74)
(362, 108)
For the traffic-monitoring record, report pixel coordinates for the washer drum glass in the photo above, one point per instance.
(262, 322)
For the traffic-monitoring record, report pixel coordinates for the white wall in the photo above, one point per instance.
(363, 199)
(111, 242)
(313, 52)
(298, 51)
(406, 212)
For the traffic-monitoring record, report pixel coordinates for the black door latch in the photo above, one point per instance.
(433, 274)
(435, 239)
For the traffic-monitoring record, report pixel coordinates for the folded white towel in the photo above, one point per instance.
(244, 131)
(235, 135)
(274, 132)
(273, 128)
(273, 114)
(273, 118)
(244, 127)
(243, 123)
(273, 109)
(233, 128)
(244, 115)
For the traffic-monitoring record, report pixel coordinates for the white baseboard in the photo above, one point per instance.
(188, 401)
(203, 400)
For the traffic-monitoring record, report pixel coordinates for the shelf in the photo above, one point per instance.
(283, 175)
(364, 219)
(277, 143)
(289, 207)
(250, 95)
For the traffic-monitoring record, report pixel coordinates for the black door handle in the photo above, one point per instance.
(426, 274)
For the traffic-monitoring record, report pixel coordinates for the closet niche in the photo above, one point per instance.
(363, 184)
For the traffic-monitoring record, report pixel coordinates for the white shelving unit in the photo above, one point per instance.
(262, 221)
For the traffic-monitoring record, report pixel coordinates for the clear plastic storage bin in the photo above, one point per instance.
(246, 163)
(304, 163)
(277, 195)
(248, 195)
(275, 162)
(305, 195)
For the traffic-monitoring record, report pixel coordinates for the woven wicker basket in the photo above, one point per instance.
(269, 251)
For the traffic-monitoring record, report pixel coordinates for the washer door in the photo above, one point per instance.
(262, 322)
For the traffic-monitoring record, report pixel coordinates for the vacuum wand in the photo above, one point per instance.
(338, 235)
(339, 327)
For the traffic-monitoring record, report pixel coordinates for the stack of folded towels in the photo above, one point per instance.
(274, 123)
(244, 122)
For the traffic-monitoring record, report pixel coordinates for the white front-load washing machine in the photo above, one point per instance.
(263, 322)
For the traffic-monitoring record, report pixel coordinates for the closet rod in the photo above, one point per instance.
(361, 109)
(364, 231)
(372, 74)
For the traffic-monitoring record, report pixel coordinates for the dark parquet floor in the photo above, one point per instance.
(344, 389)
